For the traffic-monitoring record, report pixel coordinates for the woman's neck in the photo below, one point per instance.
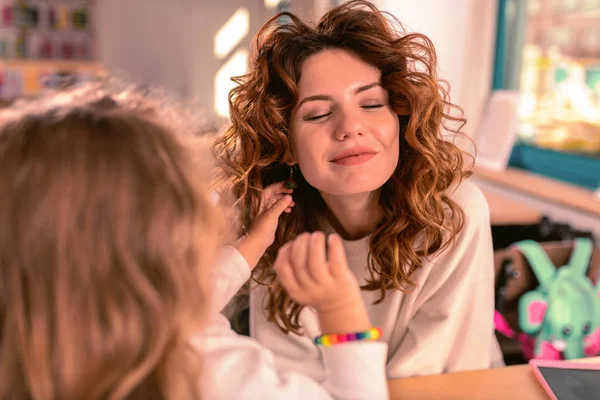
(354, 216)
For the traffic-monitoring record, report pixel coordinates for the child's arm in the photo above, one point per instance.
(276, 200)
(230, 272)
(234, 264)
(240, 368)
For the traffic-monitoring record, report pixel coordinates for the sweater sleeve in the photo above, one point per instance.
(452, 328)
(237, 367)
(230, 272)
(240, 368)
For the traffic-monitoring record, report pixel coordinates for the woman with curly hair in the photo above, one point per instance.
(107, 281)
(352, 111)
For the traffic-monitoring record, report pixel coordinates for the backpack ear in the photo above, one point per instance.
(581, 255)
(538, 259)
(532, 309)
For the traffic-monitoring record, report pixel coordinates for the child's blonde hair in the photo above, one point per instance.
(105, 228)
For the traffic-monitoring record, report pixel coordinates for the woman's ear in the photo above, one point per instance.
(288, 157)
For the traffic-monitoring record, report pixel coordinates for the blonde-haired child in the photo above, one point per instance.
(109, 285)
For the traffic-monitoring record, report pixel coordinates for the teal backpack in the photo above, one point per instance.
(562, 315)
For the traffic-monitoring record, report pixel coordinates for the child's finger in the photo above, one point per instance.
(269, 201)
(272, 193)
(317, 263)
(289, 209)
(298, 259)
(278, 207)
(276, 188)
(266, 202)
(337, 256)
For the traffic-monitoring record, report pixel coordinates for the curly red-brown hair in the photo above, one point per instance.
(420, 218)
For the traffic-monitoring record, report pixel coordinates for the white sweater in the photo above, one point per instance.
(237, 367)
(444, 325)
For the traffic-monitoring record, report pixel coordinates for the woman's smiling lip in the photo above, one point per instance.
(354, 156)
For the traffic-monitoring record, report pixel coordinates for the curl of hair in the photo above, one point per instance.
(420, 218)
(103, 222)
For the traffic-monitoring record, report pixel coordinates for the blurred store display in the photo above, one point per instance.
(45, 45)
(560, 76)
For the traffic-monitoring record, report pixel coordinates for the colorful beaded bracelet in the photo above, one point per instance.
(330, 340)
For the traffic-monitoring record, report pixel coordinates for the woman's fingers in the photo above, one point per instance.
(284, 269)
(337, 256)
(299, 259)
(317, 261)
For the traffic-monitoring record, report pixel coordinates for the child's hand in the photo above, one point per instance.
(261, 234)
(275, 200)
(325, 284)
(272, 193)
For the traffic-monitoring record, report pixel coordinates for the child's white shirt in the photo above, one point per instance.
(444, 325)
(237, 367)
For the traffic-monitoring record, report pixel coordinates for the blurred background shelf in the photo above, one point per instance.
(519, 197)
(580, 169)
(543, 187)
(29, 78)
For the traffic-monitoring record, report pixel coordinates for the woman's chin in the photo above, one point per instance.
(349, 190)
(349, 185)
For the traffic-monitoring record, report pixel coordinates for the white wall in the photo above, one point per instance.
(463, 33)
(146, 40)
(170, 43)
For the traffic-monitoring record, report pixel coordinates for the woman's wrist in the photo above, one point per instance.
(348, 318)
(336, 338)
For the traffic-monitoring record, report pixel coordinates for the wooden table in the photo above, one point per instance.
(515, 383)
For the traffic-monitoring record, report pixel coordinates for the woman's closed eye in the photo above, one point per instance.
(374, 103)
(321, 115)
(373, 106)
(317, 116)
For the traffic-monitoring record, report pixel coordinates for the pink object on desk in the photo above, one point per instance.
(540, 367)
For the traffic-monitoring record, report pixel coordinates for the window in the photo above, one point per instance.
(560, 76)
(549, 50)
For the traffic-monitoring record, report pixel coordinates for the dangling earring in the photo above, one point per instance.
(290, 183)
